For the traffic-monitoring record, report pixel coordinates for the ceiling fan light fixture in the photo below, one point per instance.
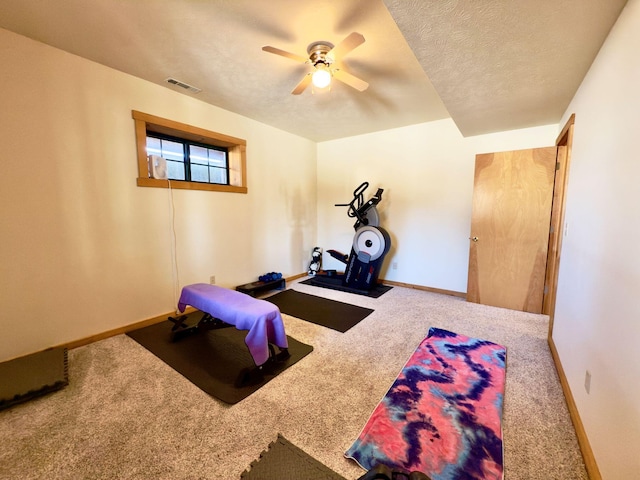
(321, 78)
(322, 56)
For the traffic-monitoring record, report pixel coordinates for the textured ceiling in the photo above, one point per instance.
(505, 64)
(496, 65)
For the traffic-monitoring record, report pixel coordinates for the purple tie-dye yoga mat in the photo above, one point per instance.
(442, 415)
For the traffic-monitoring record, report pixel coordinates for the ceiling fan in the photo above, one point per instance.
(323, 55)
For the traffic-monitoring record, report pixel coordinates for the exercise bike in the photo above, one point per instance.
(370, 244)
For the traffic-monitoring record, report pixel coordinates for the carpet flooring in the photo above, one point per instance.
(127, 415)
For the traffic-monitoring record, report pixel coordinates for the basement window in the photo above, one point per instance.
(193, 162)
(196, 159)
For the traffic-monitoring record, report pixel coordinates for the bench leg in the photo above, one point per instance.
(248, 376)
(255, 375)
(181, 330)
(282, 356)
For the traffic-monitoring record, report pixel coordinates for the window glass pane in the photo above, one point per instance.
(153, 146)
(217, 158)
(198, 154)
(218, 175)
(199, 173)
(172, 150)
(175, 170)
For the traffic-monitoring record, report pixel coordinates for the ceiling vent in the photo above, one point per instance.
(186, 86)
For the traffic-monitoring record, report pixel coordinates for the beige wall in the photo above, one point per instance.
(597, 320)
(84, 250)
(427, 173)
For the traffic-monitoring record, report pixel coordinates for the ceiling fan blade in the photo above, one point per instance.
(284, 53)
(304, 83)
(352, 41)
(350, 80)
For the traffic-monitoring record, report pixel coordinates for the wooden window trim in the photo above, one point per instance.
(237, 156)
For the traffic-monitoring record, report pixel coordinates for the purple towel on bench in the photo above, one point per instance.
(261, 318)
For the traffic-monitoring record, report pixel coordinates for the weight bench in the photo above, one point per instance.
(223, 308)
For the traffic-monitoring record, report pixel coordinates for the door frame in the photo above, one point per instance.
(564, 143)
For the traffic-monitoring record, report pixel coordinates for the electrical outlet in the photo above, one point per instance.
(394, 265)
(212, 280)
(587, 381)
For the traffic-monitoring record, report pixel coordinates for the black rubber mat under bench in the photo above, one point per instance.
(321, 311)
(214, 360)
(284, 461)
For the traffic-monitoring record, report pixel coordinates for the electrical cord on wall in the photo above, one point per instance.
(174, 254)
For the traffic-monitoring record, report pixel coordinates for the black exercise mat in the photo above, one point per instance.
(213, 359)
(336, 284)
(322, 311)
(24, 378)
(284, 461)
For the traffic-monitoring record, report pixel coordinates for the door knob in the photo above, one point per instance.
(475, 239)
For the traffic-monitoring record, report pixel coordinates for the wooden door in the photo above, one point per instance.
(512, 199)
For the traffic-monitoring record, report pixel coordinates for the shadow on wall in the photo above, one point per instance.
(298, 222)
